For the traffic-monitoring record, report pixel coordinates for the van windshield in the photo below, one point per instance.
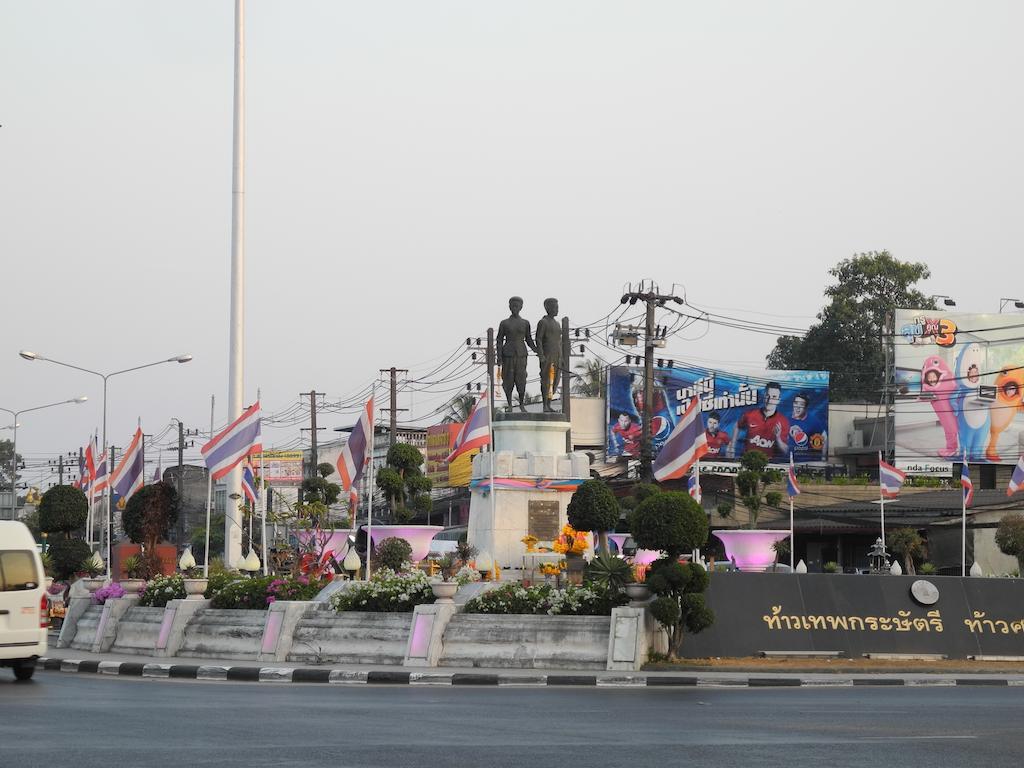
(17, 571)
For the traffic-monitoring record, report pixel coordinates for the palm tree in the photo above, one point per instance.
(590, 381)
(907, 542)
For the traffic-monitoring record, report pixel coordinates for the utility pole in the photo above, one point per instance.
(180, 483)
(313, 454)
(649, 294)
(394, 409)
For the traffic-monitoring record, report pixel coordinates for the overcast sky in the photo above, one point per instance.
(412, 164)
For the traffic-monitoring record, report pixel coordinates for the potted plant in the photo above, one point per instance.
(133, 568)
(753, 549)
(444, 584)
(92, 567)
(407, 491)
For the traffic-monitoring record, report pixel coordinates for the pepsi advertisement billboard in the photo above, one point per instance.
(960, 386)
(774, 412)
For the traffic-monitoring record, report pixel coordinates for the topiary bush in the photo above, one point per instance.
(393, 553)
(63, 509)
(1010, 538)
(593, 507)
(671, 522)
(67, 555)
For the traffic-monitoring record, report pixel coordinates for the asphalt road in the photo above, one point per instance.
(62, 719)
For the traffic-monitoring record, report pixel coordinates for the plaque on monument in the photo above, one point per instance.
(543, 520)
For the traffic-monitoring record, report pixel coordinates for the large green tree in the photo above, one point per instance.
(846, 340)
(6, 449)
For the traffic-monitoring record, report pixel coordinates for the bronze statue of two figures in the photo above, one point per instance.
(511, 343)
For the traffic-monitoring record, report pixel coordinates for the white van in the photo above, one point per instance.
(23, 614)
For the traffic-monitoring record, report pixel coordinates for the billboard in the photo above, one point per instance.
(959, 382)
(440, 441)
(774, 412)
(280, 467)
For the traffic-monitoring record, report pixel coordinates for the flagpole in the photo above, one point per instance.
(370, 473)
(209, 500)
(881, 498)
(963, 522)
(263, 496)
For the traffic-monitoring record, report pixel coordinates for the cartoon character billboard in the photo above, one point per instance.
(774, 412)
(959, 383)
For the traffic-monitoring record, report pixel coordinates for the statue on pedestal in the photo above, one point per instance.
(511, 346)
(549, 349)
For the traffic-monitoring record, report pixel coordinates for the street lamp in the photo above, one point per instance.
(14, 443)
(1016, 303)
(105, 376)
(945, 299)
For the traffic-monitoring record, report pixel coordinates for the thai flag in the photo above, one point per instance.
(356, 453)
(128, 476)
(476, 432)
(693, 484)
(1017, 480)
(792, 488)
(99, 477)
(239, 439)
(249, 483)
(966, 484)
(684, 446)
(890, 479)
(158, 473)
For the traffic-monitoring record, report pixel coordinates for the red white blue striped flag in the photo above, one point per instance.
(127, 477)
(966, 483)
(249, 483)
(684, 446)
(239, 439)
(890, 479)
(693, 484)
(792, 487)
(356, 453)
(1017, 479)
(476, 432)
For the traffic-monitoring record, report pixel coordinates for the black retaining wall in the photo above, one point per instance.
(859, 614)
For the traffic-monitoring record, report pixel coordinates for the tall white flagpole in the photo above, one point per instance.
(209, 503)
(261, 492)
(493, 457)
(370, 472)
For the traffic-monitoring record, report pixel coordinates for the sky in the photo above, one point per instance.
(410, 165)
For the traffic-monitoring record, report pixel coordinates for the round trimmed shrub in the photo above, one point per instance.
(671, 522)
(63, 509)
(593, 507)
(392, 553)
(67, 556)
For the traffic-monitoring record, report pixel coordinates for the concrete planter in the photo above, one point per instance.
(92, 584)
(132, 586)
(194, 588)
(637, 593)
(444, 591)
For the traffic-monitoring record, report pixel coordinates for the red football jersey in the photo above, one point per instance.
(761, 430)
(716, 442)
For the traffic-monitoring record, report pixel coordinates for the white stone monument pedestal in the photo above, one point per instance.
(534, 477)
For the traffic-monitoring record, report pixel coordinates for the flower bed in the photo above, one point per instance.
(514, 598)
(162, 589)
(261, 591)
(386, 592)
(109, 592)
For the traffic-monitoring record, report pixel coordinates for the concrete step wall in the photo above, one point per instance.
(526, 642)
(138, 630)
(224, 634)
(88, 623)
(352, 637)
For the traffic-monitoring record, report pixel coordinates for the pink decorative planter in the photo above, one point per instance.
(646, 556)
(619, 539)
(752, 550)
(335, 539)
(418, 536)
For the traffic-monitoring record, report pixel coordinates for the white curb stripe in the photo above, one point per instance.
(626, 681)
(212, 672)
(922, 682)
(156, 670)
(109, 668)
(70, 665)
(346, 677)
(429, 678)
(838, 683)
(275, 674)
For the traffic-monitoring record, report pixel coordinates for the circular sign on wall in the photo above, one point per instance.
(924, 592)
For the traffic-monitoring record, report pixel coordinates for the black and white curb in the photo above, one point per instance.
(226, 673)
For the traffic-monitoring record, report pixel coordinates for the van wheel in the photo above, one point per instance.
(24, 671)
